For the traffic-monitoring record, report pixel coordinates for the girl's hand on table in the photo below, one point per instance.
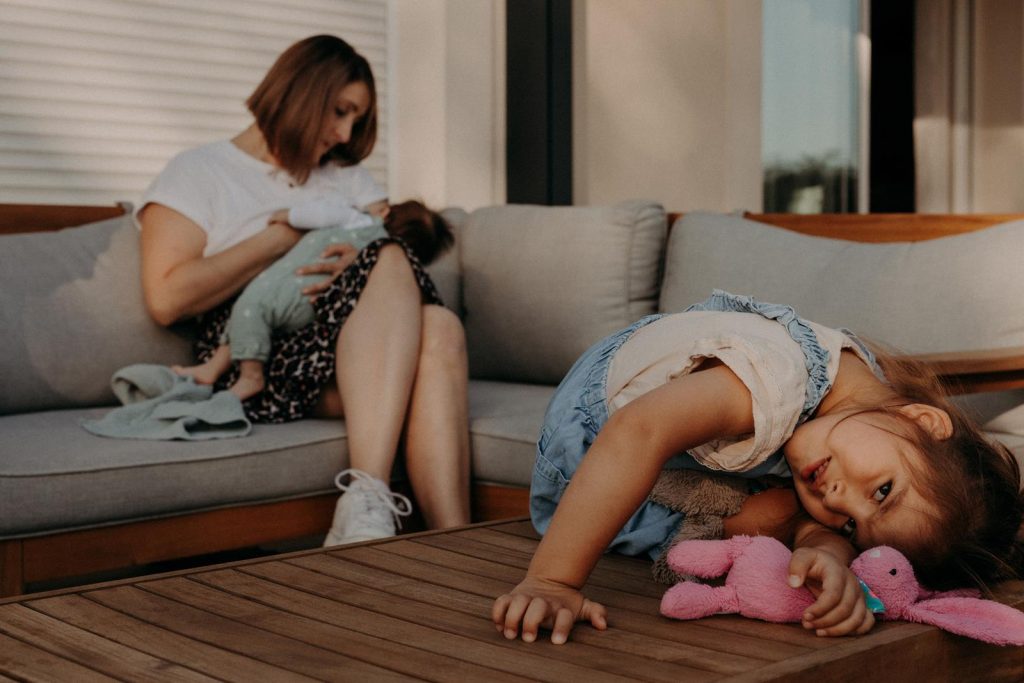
(336, 258)
(840, 608)
(537, 603)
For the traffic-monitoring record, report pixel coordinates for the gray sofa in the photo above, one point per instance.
(535, 286)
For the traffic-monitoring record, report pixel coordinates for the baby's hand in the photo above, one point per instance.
(538, 603)
(336, 258)
(839, 609)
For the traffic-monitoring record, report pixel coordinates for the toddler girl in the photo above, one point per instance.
(274, 299)
(876, 456)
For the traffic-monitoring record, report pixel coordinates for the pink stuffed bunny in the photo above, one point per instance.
(757, 586)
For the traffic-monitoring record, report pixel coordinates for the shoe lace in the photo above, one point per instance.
(399, 505)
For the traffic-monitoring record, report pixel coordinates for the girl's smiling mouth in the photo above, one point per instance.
(813, 472)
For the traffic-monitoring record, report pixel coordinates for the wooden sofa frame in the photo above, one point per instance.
(77, 553)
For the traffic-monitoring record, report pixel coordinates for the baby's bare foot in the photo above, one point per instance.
(202, 374)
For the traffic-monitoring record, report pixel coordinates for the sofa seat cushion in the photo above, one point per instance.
(55, 476)
(953, 293)
(505, 421)
(542, 283)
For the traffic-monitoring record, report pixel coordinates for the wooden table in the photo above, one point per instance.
(417, 607)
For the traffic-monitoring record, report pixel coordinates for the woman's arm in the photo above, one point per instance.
(616, 475)
(178, 281)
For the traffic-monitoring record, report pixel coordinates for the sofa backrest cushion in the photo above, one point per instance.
(445, 271)
(543, 283)
(953, 293)
(71, 313)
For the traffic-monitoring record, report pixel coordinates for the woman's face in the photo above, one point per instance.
(351, 105)
(854, 473)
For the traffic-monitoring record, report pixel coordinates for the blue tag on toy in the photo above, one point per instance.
(873, 602)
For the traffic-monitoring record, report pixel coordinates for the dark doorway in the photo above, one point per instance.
(539, 101)
(892, 107)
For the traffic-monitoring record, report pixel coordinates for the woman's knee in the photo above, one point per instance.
(392, 260)
(443, 335)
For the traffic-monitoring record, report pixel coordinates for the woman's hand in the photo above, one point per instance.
(538, 603)
(335, 259)
(839, 609)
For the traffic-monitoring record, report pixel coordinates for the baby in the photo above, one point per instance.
(274, 299)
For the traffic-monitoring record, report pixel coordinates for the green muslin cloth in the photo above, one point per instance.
(161, 405)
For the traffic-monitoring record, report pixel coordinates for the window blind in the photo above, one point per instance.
(97, 95)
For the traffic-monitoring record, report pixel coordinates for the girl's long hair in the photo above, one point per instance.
(973, 482)
(295, 96)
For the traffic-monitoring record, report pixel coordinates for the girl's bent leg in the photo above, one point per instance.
(437, 431)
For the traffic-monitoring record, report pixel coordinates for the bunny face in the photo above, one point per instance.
(890, 576)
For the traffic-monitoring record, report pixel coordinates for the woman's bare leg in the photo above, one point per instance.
(376, 363)
(437, 431)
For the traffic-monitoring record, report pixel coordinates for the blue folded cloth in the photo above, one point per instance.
(162, 405)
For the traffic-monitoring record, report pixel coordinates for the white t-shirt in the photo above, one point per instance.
(231, 194)
(758, 350)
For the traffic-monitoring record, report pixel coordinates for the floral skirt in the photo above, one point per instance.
(301, 363)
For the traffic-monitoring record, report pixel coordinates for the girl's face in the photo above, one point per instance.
(351, 105)
(853, 473)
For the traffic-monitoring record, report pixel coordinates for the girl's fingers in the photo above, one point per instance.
(514, 615)
(535, 615)
(564, 619)
(848, 602)
(860, 620)
(596, 613)
(498, 611)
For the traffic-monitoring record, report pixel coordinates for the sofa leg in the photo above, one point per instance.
(11, 568)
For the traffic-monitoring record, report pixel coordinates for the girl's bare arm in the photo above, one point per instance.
(614, 478)
(178, 281)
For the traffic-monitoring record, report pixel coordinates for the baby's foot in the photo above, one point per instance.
(202, 374)
(247, 386)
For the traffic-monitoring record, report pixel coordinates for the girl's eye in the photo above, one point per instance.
(848, 528)
(883, 491)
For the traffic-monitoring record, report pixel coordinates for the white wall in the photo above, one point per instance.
(449, 102)
(667, 102)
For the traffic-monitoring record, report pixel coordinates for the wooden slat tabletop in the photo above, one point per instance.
(417, 607)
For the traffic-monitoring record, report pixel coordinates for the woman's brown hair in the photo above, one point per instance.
(974, 483)
(291, 102)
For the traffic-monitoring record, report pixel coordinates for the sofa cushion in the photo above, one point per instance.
(71, 313)
(504, 422)
(948, 294)
(55, 476)
(542, 283)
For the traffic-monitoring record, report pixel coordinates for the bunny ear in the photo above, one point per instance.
(702, 558)
(986, 620)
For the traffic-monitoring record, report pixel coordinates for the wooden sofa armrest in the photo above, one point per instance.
(966, 372)
(19, 218)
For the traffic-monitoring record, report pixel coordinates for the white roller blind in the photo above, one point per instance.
(97, 95)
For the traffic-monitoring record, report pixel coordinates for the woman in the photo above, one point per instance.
(380, 353)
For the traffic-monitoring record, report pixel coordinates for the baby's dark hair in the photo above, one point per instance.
(974, 484)
(425, 232)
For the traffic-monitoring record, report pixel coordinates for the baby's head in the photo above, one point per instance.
(426, 232)
(915, 474)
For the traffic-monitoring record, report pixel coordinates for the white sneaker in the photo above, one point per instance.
(367, 509)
